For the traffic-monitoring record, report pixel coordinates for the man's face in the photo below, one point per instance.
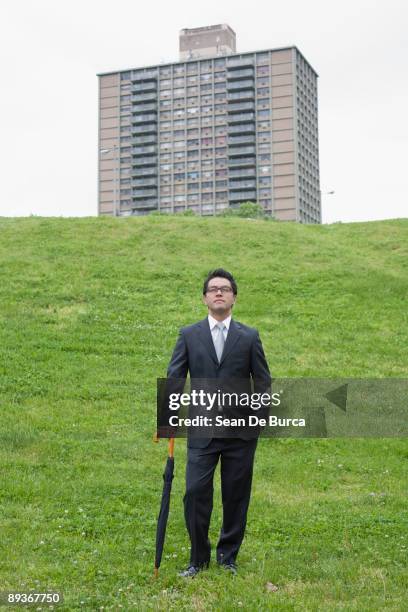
(219, 297)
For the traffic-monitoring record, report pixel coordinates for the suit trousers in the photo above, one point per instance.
(237, 460)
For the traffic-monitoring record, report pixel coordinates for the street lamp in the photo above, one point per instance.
(114, 149)
(322, 193)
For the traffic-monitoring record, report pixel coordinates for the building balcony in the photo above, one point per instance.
(242, 173)
(144, 182)
(237, 140)
(240, 74)
(239, 62)
(146, 128)
(240, 106)
(144, 150)
(241, 118)
(144, 193)
(150, 118)
(150, 203)
(242, 196)
(152, 171)
(248, 161)
(242, 184)
(143, 97)
(241, 128)
(150, 139)
(146, 86)
(241, 96)
(144, 108)
(145, 76)
(242, 84)
(142, 162)
(241, 151)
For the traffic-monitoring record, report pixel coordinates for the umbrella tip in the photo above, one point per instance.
(156, 572)
(155, 437)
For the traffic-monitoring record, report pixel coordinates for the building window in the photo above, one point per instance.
(262, 58)
(221, 195)
(124, 76)
(192, 67)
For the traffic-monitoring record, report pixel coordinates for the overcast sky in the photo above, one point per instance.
(51, 51)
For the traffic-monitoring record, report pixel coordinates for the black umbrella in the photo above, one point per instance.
(164, 508)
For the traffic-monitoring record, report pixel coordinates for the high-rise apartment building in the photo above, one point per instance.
(211, 131)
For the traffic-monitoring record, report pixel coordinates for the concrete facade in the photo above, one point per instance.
(210, 133)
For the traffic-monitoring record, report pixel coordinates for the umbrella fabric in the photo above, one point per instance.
(164, 509)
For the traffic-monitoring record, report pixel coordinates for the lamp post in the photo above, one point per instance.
(115, 150)
(322, 193)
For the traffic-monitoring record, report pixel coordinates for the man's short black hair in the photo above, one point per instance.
(220, 273)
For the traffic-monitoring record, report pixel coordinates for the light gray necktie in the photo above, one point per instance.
(219, 340)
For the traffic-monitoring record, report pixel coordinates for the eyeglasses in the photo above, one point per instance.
(223, 289)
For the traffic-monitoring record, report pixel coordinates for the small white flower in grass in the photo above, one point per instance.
(239, 603)
(83, 533)
(66, 511)
(174, 554)
(42, 542)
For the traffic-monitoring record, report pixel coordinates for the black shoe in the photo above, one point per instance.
(230, 567)
(192, 571)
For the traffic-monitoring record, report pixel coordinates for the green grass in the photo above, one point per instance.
(90, 310)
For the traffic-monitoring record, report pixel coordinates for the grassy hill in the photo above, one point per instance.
(90, 309)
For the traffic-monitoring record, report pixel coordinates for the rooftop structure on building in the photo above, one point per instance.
(214, 130)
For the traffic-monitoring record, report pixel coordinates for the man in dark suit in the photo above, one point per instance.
(218, 348)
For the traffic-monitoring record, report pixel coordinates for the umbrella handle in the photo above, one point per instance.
(171, 447)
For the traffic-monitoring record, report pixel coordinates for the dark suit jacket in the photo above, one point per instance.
(243, 357)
